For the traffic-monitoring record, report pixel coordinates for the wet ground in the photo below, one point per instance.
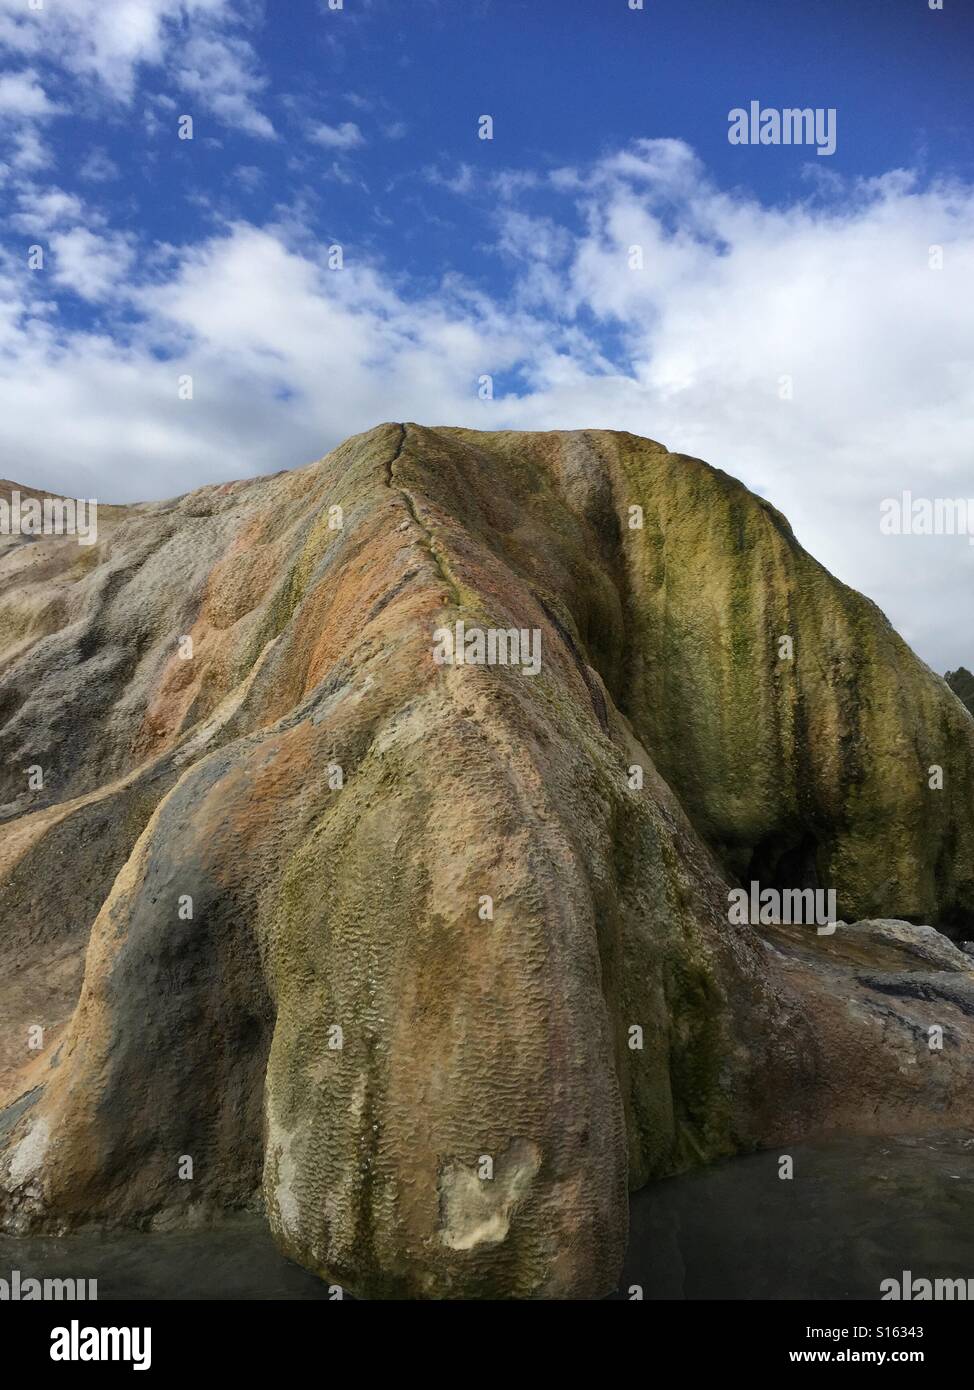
(854, 1213)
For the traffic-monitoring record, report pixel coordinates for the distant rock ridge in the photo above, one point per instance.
(961, 683)
(432, 959)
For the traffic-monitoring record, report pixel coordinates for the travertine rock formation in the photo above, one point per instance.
(381, 937)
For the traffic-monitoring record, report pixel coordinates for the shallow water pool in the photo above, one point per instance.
(855, 1212)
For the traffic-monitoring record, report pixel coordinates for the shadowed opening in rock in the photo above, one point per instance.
(786, 860)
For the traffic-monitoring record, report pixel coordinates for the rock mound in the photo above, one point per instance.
(431, 958)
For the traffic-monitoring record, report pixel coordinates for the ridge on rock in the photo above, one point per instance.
(247, 903)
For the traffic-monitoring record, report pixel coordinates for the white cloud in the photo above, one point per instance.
(30, 153)
(109, 42)
(657, 166)
(89, 264)
(509, 183)
(461, 182)
(219, 72)
(106, 40)
(289, 357)
(346, 136)
(42, 209)
(24, 107)
(21, 94)
(98, 167)
(248, 176)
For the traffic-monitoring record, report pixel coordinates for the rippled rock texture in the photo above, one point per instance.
(431, 960)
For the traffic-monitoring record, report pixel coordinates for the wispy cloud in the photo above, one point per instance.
(197, 44)
(346, 136)
(42, 209)
(91, 265)
(21, 94)
(461, 181)
(98, 167)
(218, 70)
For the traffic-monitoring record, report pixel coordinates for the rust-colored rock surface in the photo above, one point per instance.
(434, 960)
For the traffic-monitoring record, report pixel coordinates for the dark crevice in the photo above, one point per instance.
(409, 502)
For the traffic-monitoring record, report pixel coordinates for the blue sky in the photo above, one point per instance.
(566, 81)
(167, 259)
